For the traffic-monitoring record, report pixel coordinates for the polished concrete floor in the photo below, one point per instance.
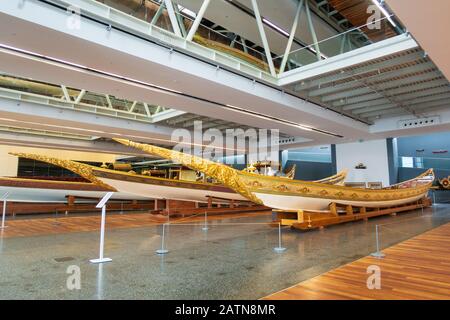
(234, 259)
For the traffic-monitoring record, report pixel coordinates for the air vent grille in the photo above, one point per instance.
(420, 122)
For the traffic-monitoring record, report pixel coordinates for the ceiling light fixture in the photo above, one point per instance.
(384, 11)
(171, 91)
(178, 142)
(282, 121)
(187, 12)
(273, 25)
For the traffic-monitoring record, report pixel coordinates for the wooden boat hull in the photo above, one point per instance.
(135, 186)
(158, 188)
(286, 194)
(43, 191)
(292, 203)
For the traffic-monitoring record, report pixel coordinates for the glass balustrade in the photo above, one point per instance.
(232, 45)
(226, 42)
(358, 37)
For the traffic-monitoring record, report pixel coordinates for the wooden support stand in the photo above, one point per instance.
(340, 214)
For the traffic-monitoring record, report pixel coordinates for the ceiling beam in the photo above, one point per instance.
(394, 73)
(411, 103)
(30, 140)
(382, 86)
(357, 71)
(393, 92)
(415, 108)
(358, 56)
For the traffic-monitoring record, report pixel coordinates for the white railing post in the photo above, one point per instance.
(4, 198)
(279, 249)
(378, 254)
(102, 205)
(205, 226)
(163, 250)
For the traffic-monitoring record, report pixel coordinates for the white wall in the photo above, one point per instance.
(373, 154)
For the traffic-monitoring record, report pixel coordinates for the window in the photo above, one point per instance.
(419, 162)
(407, 162)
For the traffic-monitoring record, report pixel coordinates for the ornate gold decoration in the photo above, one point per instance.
(304, 190)
(281, 187)
(81, 169)
(242, 182)
(445, 183)
(336, 179)
(291, 173)
(255, 184)
(222, 173)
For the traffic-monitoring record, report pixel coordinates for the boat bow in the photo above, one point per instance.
(224, 174)
(81, 169)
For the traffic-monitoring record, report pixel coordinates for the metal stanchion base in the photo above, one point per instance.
(96, 261)
(162, 251)
(205, 228)
(279, 249)
(378, 255)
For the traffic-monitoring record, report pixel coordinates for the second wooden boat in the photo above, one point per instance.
(291, 195)
(149, 187)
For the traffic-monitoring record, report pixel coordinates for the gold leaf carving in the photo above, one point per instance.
(81, 169)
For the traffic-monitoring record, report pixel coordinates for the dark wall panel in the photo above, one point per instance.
(408, 146)
(311, 170)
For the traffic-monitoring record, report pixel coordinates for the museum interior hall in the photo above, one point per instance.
(224, 150)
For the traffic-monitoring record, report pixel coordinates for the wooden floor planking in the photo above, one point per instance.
(45, 226)
(418, 268)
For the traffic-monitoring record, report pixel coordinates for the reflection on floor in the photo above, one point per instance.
(418, 268)
(234, 259)
(86, 223)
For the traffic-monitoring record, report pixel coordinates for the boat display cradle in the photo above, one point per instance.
(337, 213)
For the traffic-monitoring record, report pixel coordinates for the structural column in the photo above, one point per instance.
(197, 20)
(291, 36)
(173, 17)
(262, 33)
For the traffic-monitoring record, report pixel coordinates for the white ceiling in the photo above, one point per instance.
(111, 51)
(429, 24)
(124, 55)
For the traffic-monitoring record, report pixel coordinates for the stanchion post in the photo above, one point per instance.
(279, 249)
(4, 198)
(56, 223)
(162, 250)
(102, 205)
(205, 227)
(378, 254)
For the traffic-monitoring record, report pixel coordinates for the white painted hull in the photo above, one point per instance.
(41, 195)
(285, 202)
(155, 191)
